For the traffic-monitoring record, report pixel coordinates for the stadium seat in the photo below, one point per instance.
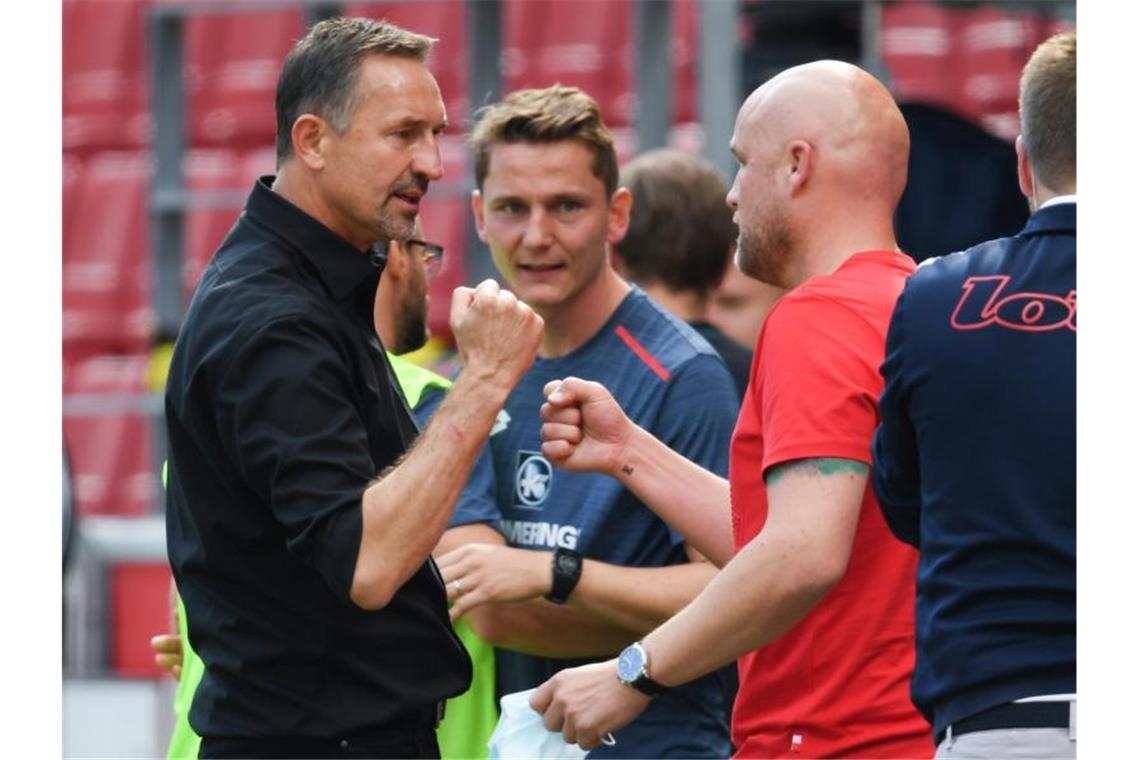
(232, 64)
(965, 59)
(993, 45)
(109, 434)
(918, 52)
(106, 252)
(587, 44)
(140, 608)
(445, 20)
(225, 177)
(105, 75)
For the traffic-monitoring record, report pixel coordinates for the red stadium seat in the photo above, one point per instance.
(108, 434)
(445, 20)
(232, 64)
(140, 608)
(965, 59)
(993, 46)
(226, 177)
(105, 75)
(106, 252)
(588, 44)
(215, 171)
(918, 52)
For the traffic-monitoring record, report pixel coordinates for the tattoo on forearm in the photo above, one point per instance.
(824, 466)
(627, 469)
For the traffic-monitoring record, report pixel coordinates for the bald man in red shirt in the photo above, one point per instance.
(815, 597)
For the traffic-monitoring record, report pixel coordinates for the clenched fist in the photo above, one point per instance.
(583, 428)
(496, 334)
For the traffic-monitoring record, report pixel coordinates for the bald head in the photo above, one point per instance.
(845, 113)
(826, 147)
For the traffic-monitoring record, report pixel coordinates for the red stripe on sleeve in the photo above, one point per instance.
(642, 353)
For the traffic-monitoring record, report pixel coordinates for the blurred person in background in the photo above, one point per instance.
(587, 568)
(815, 596)
(400, 316)
(975, 457)
(680, 242)
(300, 517)
(739, 305)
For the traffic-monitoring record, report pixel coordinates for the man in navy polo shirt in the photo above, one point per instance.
(975, 456)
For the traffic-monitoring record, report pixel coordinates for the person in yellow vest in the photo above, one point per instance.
(400, 316)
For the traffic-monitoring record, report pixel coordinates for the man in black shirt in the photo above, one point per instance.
(300, 517)
(680, 238)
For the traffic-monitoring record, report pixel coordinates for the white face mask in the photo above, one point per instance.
(521, 734)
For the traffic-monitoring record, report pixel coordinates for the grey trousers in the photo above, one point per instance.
(1022, 743)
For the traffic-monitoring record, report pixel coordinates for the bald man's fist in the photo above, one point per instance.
(583, 428)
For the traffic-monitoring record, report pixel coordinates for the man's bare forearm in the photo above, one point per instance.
(690, 499)
(749, 604)
(776, 579)
(405, 511)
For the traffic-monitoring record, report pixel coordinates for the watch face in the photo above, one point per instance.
(567, 564)
(630, 663)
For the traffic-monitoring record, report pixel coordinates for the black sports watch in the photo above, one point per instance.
(567, 569)
(632, 670)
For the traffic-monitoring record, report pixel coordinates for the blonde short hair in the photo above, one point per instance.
(1048, 104)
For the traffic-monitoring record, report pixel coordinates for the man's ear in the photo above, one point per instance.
(801, 165)
(308, 135)
(620, 205)
(477, 210)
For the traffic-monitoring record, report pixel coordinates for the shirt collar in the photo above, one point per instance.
(1059, 199)
(1052, 217)
(341, 266)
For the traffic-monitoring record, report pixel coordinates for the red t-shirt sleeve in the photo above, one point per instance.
(819, 382)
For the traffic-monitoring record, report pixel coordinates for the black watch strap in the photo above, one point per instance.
(648, 686)
(566, 568)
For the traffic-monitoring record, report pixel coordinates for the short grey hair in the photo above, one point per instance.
(320, 72)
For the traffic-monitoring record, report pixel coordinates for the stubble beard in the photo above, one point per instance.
(397, 226)
(411, 325)
(765, 256)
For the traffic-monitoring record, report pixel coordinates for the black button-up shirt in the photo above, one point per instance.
(280, 409)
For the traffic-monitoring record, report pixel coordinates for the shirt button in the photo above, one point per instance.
(344, 743)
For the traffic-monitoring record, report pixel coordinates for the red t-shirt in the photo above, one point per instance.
(836, 685)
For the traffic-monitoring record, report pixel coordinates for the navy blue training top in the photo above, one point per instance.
(670, 381)
(975, 464)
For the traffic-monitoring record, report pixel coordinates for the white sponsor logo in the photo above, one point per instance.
(532, 479)
(544, 534)
(502, 420)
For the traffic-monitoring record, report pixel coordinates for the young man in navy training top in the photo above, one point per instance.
(597, 568)
(975, 459)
